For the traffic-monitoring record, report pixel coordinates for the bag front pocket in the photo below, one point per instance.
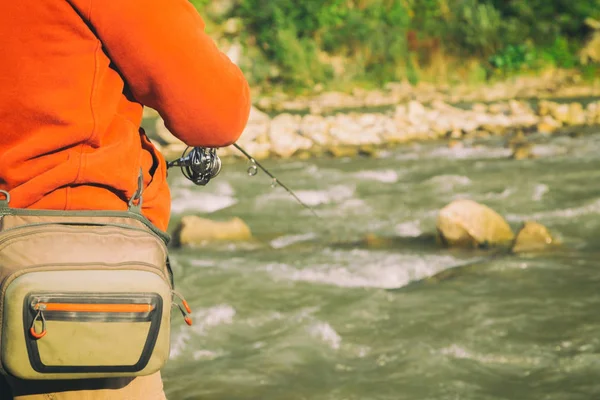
(87, 332)
(101, 321)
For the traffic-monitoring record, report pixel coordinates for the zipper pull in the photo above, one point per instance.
(186, 318)
(40, 314)
(188, 309)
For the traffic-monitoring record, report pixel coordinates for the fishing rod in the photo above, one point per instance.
(201, 164)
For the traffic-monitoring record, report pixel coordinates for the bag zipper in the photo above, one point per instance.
(88, 213)
(16, 232)
(186, 310)
(72, 267)
(99, 307)
(94, 308)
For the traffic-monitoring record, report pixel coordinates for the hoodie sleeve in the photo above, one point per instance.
(171, 64)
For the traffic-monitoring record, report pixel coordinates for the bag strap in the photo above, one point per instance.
(134, 211)
(134, 204)
(4, 199)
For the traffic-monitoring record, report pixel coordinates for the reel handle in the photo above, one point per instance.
(199, 165)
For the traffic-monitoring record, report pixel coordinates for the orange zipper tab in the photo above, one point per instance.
(99, 308)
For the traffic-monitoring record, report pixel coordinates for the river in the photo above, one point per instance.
(308, 310)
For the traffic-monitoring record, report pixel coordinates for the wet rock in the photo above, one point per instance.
(374, 241)
(560, 112)
(456, 134)
(466, 223)
(395, 134)
(401, 114)
(196, 231)
(284, 138)
(569, 114)
(522, 151)
(479, 108)
(416, 112)
(343, 151)
(517, 139)
(532, 236)
(368, 150)
(455, 144)
(524, 120)
(544, 108)
(576, 114)
(259, 151)
(316, 128)
(351, 130)
(377, 98)
(257, 127)
(499, 108)
(593, 113)
(548, 124)
(519, 108)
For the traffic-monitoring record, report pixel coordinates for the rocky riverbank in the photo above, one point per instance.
(553, 84)
(351, 133)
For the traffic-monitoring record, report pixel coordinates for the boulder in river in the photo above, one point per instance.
(466, 223)
(195, 231)
(532, 237)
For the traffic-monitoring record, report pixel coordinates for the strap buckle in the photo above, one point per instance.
(137, 196)
(4, 201)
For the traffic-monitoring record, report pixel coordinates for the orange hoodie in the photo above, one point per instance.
(74, 76)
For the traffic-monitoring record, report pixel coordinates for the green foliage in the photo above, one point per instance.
(514, 58)
(544, 20)
(293, 33)
(200, 4)
(294, 42)
(475, 29)
(561, 53)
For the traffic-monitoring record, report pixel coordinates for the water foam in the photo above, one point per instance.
(288, 240)
(459, 352)
(190, 200)
(590, 208)
(366, 269)
(409, 229)
(539, 191)
(502, 195)
(334, 194)
(324, 332)
(203, 320)
(469, 152)
(448, 183)
(384, 176)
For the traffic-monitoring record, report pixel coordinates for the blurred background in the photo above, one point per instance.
(450, 149)
(341, 44)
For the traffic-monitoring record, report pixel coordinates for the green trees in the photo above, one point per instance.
(299, 43)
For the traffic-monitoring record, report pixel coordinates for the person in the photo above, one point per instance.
(75, 76)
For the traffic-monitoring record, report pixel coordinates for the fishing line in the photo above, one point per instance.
(201, 164)
(252, 172)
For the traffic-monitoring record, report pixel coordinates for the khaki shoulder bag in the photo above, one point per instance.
(83, 294)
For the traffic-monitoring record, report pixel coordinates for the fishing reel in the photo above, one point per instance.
(199, 165)
(202, 164)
